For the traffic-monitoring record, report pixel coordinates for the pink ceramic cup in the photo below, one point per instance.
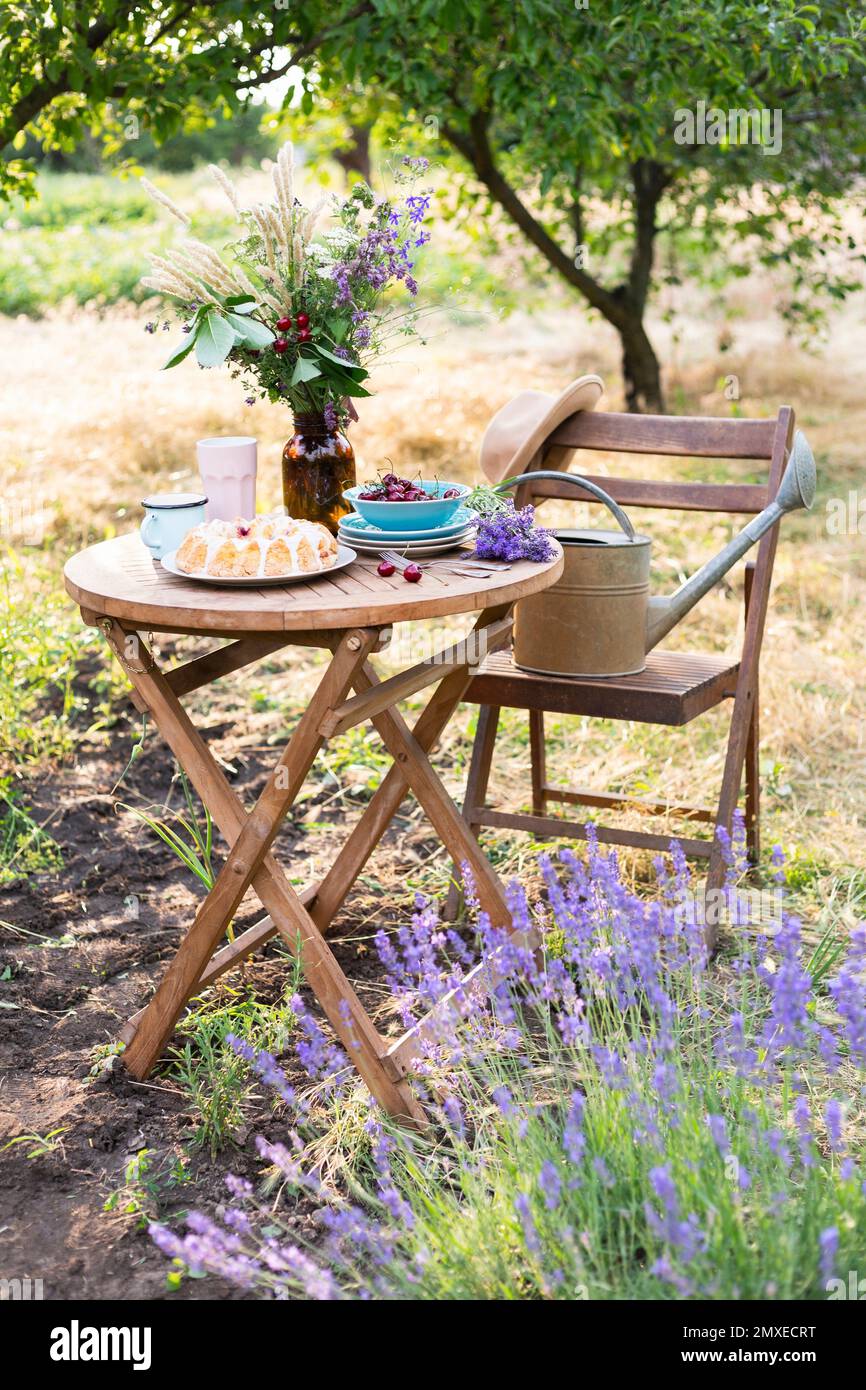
(228, 475)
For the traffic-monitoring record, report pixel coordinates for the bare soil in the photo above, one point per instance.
(80, 963)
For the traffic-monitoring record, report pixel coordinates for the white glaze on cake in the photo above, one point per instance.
(319, 553)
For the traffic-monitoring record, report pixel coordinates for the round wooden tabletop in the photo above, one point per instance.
(120, 579)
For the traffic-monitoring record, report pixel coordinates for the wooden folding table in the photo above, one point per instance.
(126, 594)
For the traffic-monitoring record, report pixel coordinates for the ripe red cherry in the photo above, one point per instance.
(284, 324)
(304, 335)
(411, 574)
(303, 320)
(280, 344)
(385, 568)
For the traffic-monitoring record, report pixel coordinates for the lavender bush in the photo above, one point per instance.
(617, 1120)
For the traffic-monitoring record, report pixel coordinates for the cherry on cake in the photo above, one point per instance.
(266, 547)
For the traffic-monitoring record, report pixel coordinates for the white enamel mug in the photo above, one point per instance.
(228, 476)
(169, 515)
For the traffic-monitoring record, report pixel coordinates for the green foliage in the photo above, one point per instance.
(189, 837)
(25, 848)
(85, 240)
(565, 116)
(146, 1181)
(212, 1074)
(42, 647)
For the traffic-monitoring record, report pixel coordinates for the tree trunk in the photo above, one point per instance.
(640, 370)
(356, 159)
(622, 307)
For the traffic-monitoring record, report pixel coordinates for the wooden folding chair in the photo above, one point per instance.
(675, 687)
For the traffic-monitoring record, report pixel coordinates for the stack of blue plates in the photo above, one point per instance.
(368, 539)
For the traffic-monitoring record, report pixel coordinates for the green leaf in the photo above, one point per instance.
(339, 327)
(241, 303)
(214, 340)
(181, 352)
(305, 370)
(352, 369)
(249, 331)
(346, 385)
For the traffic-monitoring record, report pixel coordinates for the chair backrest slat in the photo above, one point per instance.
(698, 436)
(687, 497)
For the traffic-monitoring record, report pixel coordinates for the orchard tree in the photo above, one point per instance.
(594, 125)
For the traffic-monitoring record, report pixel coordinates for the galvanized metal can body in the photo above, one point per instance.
(592, 622)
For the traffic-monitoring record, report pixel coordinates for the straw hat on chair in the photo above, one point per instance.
(518, 430)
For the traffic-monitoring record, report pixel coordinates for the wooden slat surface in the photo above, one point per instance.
(674, 688)
(118, 578)
(687, 497)
(690, 436)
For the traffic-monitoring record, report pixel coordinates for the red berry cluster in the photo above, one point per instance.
(304, 334)
(394, 489)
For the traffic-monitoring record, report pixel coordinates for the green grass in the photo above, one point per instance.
(42, 645)
(85, 240)
(25, 848)
(213, 1076)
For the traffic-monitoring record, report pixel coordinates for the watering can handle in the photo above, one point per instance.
(575, 478)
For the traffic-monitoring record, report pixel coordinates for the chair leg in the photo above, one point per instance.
(753, 771)
(476, 790)
(538, 761)
(753, 790)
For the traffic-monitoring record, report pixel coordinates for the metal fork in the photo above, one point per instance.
(443, 567)
(452, 565)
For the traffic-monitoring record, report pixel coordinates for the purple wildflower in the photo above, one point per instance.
(828, 1242)
(573, 1137)
(550, 1183)
(834, 1118)
(530, 1233)
(510, 534)
(719, 1131)
(684, 1236)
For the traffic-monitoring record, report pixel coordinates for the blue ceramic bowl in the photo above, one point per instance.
(410, 516)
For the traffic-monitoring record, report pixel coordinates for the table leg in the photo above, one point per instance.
(341, 1005)
(386, 801)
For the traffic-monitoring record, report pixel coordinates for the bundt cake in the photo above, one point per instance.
(266, 547)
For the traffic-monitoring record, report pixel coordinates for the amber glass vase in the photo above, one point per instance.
(318, 463)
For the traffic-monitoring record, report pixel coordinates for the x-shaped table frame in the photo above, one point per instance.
(301, 918)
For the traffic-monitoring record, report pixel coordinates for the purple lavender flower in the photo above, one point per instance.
(573, 1137)
(834, 1119)
(550, 1183)
(511, 535)
(828, 1242)
(683, 1236)
(530, 1233)
(849, 995)
(504, 1100)
(719, 1130)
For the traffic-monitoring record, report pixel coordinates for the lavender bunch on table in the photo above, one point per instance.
(510, 534)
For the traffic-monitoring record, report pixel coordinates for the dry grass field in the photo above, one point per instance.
(88, 426)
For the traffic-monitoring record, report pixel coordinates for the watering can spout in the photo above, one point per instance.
(796, 490)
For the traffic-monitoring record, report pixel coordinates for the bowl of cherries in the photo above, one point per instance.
(403, 504)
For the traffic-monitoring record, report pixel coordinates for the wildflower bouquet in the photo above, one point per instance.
(298, 319)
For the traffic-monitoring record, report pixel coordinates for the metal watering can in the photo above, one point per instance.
(599, 619)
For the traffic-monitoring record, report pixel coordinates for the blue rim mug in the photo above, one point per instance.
(169, 515)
